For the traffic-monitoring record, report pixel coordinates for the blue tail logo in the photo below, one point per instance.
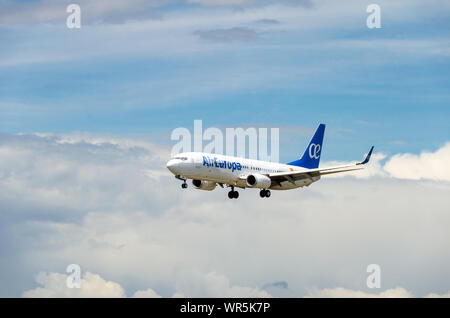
(311, 157)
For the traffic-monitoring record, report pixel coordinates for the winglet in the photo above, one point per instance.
(367, 157)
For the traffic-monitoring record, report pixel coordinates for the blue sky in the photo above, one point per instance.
(293, 64)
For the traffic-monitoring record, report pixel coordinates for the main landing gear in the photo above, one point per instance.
(264, 193)
(233, 194)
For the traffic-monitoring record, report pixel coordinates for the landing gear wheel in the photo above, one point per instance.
(264, 193)
(184, 185)
(233, 194)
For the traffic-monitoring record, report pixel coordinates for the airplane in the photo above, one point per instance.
(209, 170)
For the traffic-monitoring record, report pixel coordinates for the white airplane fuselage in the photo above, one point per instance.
(231, 170)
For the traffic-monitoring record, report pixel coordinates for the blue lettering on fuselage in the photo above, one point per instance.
(207, 161)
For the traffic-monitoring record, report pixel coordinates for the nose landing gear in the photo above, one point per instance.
(184, 184)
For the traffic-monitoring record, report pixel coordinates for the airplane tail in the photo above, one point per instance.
(311, 157)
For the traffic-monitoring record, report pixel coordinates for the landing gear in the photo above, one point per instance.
(233, 194)
(184, 184)
(264, 193)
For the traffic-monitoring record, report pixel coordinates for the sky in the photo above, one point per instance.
(86, 117)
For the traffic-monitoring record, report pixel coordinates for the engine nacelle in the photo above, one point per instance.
(204, 185)
(258, 181)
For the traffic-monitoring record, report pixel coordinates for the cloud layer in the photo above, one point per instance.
(339, 292)
(93, 286)
(108, 204)
(53, 285)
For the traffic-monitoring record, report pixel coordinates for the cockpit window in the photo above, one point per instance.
(181, 158)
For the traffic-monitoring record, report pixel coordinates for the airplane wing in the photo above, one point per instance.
(293, 176)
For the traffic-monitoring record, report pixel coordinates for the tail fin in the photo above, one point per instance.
(311, 157)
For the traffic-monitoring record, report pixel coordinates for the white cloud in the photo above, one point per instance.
(433, 295)
(148, 293)
(373, 169)
(195, 284)
(53, 285)
(427, 165)
(340, 292)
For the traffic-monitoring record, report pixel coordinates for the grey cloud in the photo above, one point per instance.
(303, 3)
(281, 284)
(248, 3)
(242, 34)
(279, 289)
(107, 11)
(212, 3)
(267, 21)
(54, 11)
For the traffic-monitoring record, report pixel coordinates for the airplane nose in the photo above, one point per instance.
(171, 165)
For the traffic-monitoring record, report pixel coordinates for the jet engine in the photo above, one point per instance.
(204, 185)
(258, 181)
